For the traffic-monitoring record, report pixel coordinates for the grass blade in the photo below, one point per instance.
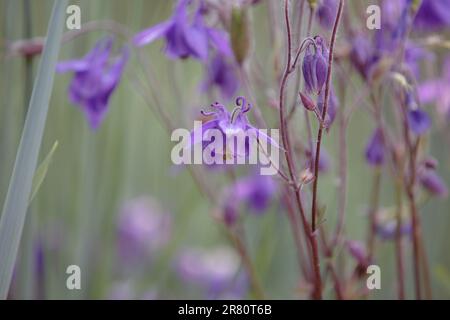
(41, 172)
(17, 198)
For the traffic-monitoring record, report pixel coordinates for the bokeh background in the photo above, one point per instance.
(94, 175)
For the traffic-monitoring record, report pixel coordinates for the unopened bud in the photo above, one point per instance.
(240, 33)
(307, 102)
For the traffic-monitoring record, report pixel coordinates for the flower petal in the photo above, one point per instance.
(149, 35)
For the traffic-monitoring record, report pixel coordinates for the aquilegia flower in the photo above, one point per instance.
(216, 271)
(438, 91)
(375, 150)
(231, 125)
(433, 183)
(220, 73)
(142, 229)
(326, 12)
(255, 191)
(386, 223)
(433, 15)
(315, 67)
(419, 121)
(184, 38)
(96, 76)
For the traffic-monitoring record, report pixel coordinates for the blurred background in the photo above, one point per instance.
(113, 203)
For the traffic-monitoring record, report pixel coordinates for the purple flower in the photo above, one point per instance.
(326, 13)
(255, 191)
(333, 105)
(362, 54)
(184, 38)
(433, 15)
(95, 79)
(216, 271)
(388, 230)
(438, 91)
(419, 121)
(433, 183)
(315, 67)
(142, 229)
(375, 150)
(230, 125)
(358, 252)
(386, 224)
(324, 160)
(220, 73)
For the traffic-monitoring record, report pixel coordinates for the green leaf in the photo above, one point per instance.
(19, 191)
(41, 172)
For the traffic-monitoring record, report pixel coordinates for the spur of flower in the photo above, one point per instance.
(95, 78)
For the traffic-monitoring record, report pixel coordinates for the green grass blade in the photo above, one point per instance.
(41, 172)
(17, 199)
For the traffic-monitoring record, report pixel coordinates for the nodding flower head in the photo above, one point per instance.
(96, 76)
(231, 125)
(185, 38)
(315, 66)
(375, 150)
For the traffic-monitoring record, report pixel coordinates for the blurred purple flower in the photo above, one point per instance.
(388, 230)
(419, 121)
(326, 13)
(438, 91)
(184, 38)
(256, 191)
(433, 15)
(333, 105)
(142, 229)
(358, 251)
(433, 183)
(362, 54)
(95, 79)
(220, 73)
(375, 149)
(324, 160)
(216, 271)
(315, 66)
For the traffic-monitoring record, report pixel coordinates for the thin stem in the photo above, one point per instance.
(398, 240)
(317, 292)
(374, 203)
(324, 112)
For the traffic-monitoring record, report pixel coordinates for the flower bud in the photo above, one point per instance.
(375, 150)
(240, 33)
(307, 102)
(314, 70)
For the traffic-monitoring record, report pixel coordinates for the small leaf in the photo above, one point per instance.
(41, 172)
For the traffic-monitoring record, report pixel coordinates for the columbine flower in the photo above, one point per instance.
(142, 229)
(386, 223)
(231, 125)
(433, 15)
(433, 183)
(220, 73)
(333, 105)
(216, 271)
(419, 121)
(358, 252)
(438, 91)
(375, 150)
(95, 79)
(184, 38)
(326, 13)
(315, 67)
(324, 160)
(255, 191)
